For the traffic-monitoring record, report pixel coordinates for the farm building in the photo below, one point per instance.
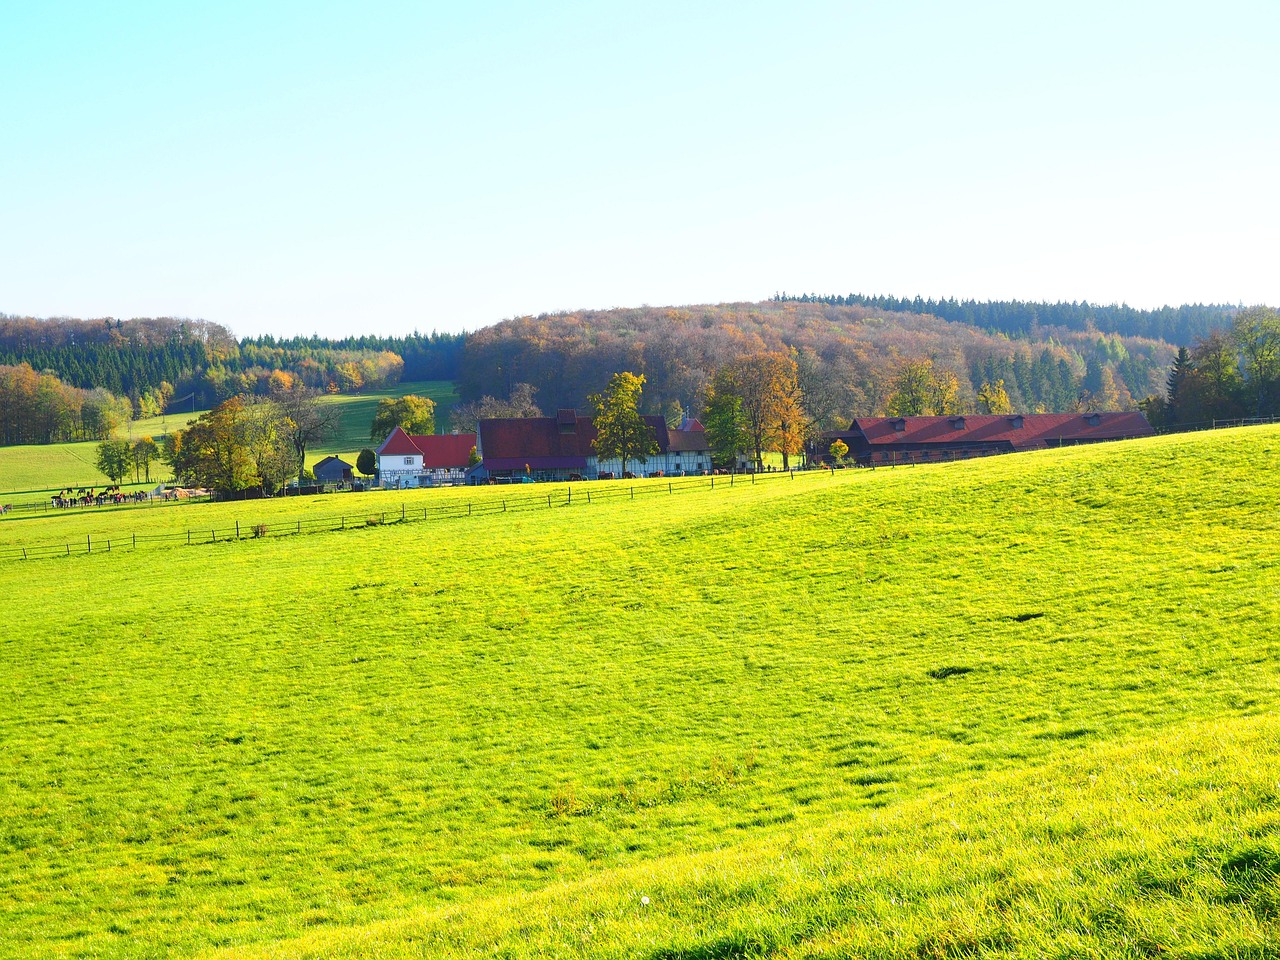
(424, 461)
(876, 440)
(563, 448)
(332, 470)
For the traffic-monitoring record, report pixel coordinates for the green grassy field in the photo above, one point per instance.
(30, 472)
(1024, 706)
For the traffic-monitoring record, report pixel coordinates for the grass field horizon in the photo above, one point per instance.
(1022, 706)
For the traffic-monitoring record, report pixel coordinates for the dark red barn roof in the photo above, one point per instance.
(563, 441)
(1022, 431)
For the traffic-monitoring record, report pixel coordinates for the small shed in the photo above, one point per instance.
(333, 470)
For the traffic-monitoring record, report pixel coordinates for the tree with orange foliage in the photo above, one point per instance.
(773, 418)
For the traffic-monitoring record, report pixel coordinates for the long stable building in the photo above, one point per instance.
(877, 440)
(563, 448)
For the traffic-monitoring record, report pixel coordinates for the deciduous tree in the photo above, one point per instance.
(411, 413)
(145, 452)
(724, 422)
(114, 459)
(922, 390)
(993, 399)
(765, 384)
(306, 420)
(621, 433)
(1257, 332)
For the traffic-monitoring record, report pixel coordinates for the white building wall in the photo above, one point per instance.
(400, 470)
(691, 462)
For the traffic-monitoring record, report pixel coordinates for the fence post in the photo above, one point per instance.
(633, 493)
(504, 506)
(713, 483)
(237, 529)
(135, 541)
(299, 526)
(344, 523)
(468, 508)
(588, 496)
(668, 486)
(402, 513)
(188, 538)
(88, 544)
(68, 549)
(548, 501)
(24, 553)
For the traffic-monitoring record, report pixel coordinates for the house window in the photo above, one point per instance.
(408, 461)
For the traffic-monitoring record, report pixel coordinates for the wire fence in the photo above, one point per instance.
(58, 505)
(237, 530)
(1217, 424)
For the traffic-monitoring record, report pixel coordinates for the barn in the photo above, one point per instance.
(877, 440)
(333, 470)
(563, 448)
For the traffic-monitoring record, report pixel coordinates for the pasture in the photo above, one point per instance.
(32, 471)
(1023, 706)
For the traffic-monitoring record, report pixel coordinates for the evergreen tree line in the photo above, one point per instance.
(1016, 318)
(1229, 374)
(152, 359)
(434, 356)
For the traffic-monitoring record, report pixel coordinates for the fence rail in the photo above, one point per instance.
(1226, 424)
(594, 492)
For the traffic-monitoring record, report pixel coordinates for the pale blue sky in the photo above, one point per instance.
(380, 167)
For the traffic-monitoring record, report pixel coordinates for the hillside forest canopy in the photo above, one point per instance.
(853, 355)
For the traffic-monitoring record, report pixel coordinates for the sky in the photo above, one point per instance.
(384, 167)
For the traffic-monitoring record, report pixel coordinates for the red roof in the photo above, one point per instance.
(445, 450)
(438, 452)
(1023, 432)
(397, 444)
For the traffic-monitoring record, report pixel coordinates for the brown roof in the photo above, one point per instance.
(1024, 432)
(564, 435)
(693, 439)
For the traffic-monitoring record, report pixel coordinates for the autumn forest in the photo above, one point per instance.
(842, 356)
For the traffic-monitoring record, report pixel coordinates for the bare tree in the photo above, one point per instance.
(307, 420)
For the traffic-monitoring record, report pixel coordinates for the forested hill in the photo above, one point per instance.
(1182, 325)
(149, 360)
(853, 352)
(1049, 357)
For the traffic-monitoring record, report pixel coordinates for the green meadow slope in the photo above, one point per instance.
(1016, 707)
